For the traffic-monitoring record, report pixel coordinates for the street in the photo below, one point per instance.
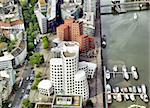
(19, 93)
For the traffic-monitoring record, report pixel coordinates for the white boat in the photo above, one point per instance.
(108, 88)
(126, 96)
(130, 89)
(109, 98)
(145, 98)
(143, 87)
(125, 74)
(107, 75)
(142, 96)
(115, 68)
(125, 90)
(124, 68)
(135, 16)
(134, 72)
(117, 89)
(119, 97)
(114, 96)
(132, 97)
(104, 44)
(134, 89)
(139, 89)
(122, 90)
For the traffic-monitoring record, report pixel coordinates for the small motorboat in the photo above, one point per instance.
(132, 97)
(108, 88)
(145, 98)
(124, 68)
(104, 43)
(135, 16)
(143, 87)
(139, 89)
(125, 73)
(134, 89)
(107, 75)
(109, 98)
(125, 90)
(117, 89)
(114, 96)
(115, 68)
(108, 91)
(119, 97)
(134, 72)
(130, 89)
(126, 97)
(122, 91)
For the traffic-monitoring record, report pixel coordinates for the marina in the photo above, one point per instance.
(124, 93)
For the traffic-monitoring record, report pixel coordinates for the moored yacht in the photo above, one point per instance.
(134, 72)
(125, 73)
(107, 75)
(119, 97)
(134, 89)
(115, 68)
(139, 89)
(132, 97)
(143, 87)
(108, 91)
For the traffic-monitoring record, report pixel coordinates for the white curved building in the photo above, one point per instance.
(81, 85)
(89, 68)
(64, 71)
(56, 74)
(45, 87)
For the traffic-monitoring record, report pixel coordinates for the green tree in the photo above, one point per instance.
(45, 42)
(36, 58)
(26, 103)
(23, 2)
(33, 1)
(30, 46)
(35, 83)
(38, 74)
(89, 104)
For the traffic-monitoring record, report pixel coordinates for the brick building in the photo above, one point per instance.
(72, 30)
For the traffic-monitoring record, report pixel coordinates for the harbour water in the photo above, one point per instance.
(128, 43)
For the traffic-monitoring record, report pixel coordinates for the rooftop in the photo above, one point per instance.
(12, 23)
(46, 84)
(68, 54)
(7, 57)
(43, 105)
(67, 100)
(80, 75)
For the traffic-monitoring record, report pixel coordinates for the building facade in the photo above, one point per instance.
(72, 30)
(66, 73)
(45, 87)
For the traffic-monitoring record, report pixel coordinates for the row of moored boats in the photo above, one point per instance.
(126, 93)
(125, 72)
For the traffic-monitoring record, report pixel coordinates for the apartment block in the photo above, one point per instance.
(72, 30)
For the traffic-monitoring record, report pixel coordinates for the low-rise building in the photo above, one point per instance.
(45, 87)
(72, 30)
(67, 101)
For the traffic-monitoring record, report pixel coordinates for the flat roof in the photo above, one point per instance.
(64, 99)
(7, 57)
(43, 105)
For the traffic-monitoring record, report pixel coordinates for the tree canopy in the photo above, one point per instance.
(45, 42)
(89, 104)
(26, 103)
(36, 58)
